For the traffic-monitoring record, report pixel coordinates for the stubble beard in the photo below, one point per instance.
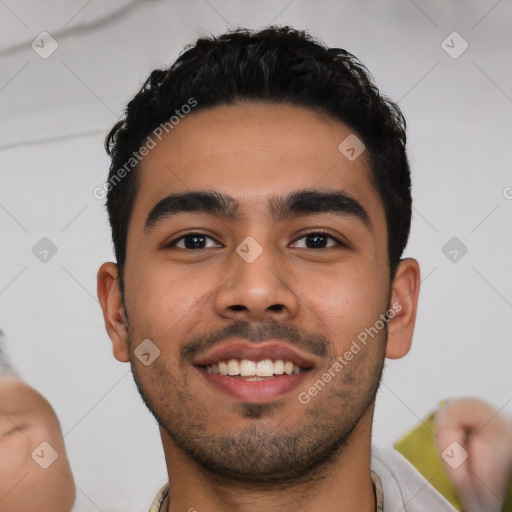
(257, 454)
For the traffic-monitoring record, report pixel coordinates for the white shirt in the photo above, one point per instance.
(404, 488)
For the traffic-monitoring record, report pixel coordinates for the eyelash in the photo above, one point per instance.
(195, 233)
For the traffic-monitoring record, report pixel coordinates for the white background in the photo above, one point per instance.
(55, 113)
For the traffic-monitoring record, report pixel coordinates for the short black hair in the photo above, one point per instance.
(279, 65)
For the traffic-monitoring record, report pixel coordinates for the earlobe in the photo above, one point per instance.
(404, 302)
(114, 316)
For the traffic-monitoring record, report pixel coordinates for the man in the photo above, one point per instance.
(259, 199)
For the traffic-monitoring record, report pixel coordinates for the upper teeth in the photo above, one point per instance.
(246, 367)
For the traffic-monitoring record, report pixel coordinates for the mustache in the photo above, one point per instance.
(269, 329)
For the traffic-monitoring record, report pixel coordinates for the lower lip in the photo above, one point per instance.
(255, 391)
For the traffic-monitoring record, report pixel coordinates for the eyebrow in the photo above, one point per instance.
(295, 204)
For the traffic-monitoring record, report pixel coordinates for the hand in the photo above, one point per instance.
(486, 436)
(26, 420)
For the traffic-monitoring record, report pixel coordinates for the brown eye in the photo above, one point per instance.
(193, 241)
(318, 240)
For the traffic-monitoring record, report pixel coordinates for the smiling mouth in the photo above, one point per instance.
(248, 370)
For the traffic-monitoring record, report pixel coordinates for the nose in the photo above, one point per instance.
(257, 290)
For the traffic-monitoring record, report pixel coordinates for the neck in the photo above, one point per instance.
(342, 485)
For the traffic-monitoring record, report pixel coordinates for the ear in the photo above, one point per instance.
(114, 316)
(404, 303)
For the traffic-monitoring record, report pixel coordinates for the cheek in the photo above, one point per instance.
(162, 301)
(153, 287)
(346, 302)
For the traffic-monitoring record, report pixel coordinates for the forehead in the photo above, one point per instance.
(252, 151)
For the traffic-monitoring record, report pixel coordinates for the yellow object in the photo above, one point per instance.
(419, 448)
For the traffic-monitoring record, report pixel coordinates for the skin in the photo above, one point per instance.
(27, 420)
(487, 438)
(173, 296)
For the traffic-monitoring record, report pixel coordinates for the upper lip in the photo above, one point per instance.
(243, 349)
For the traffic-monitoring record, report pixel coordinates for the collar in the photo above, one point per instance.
(376, 482)
(159, 499)
(377, 489)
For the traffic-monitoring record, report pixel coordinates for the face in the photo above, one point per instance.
(218, 286)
